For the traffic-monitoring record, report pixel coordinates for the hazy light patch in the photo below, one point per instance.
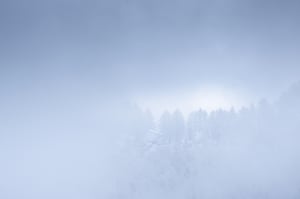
(208, 98)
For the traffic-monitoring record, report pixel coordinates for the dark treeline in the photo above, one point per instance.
(250, 153)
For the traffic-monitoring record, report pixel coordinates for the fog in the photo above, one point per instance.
(149, 99)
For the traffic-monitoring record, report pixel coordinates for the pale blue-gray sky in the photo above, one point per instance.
(118, 46)
(69, 67)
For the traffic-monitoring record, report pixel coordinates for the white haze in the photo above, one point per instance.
(149, 99)
(208, 97)
(57, 149)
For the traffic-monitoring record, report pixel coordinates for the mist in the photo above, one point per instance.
(149, 99)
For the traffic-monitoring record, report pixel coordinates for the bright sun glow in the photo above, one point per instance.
(208, 98)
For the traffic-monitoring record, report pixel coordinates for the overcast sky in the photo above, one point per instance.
(126, 48)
